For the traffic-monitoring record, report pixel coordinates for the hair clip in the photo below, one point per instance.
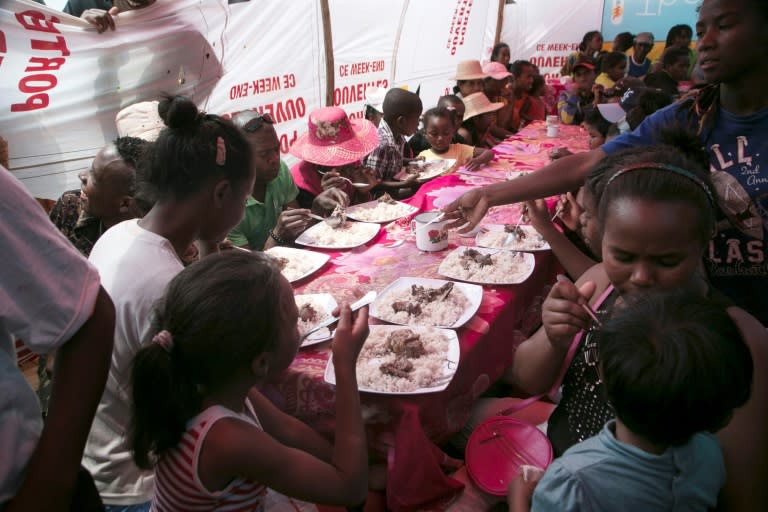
(164, 339)
(221, 151)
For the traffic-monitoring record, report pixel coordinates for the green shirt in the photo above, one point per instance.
(260, 217)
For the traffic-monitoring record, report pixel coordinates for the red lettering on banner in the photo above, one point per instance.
(263, 85)
(356, 115)
(35, 20)
(459, 24)
(37, 85)
(356, 92)
(45, 64)
(238, 91)
(59, 45)
(289, 81)
(3, 46)
(287, 141)
(285, 110)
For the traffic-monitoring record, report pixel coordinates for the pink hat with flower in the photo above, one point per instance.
(333, 139)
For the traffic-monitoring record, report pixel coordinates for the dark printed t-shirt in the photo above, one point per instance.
(738, 151)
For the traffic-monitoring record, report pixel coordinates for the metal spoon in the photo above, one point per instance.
(354, 184)
(333, 221)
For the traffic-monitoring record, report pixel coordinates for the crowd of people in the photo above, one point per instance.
(158, 334)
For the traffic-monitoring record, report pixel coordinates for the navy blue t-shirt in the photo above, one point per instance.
(736, 257)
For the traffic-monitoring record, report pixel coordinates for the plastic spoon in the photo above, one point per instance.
(363, 301)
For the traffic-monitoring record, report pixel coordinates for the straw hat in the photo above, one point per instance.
(140, 120)
(478, 103)
(496, 70)
(333, 139)
(469, 70)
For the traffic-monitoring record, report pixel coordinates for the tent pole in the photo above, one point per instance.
(329, 62)
(499, 23)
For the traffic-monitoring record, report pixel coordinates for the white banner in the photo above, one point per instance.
(272, 62)
(436, 35)
(545, 32)
(62, 85)
(364, 39)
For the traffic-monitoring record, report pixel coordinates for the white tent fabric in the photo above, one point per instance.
(62, 83)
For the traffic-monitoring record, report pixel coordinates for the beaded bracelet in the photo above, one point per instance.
(277, 239)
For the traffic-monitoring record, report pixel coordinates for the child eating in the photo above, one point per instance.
(674, 367)
(402, 110)
(440, 128)
(225, 325)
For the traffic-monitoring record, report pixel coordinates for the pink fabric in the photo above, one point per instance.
(404, 425)
(306, 177)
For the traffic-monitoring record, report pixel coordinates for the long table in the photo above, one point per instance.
(404, 430)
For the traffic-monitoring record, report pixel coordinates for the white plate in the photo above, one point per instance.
(353, 212)
(310, 261)
(433, 168)
(327, 304)
(473, 293)
(493, 236)
(450, 364)
(367, 231)
(524, 259)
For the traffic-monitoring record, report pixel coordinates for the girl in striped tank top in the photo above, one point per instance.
(226, 324)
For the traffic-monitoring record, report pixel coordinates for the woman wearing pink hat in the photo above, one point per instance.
(331, 153)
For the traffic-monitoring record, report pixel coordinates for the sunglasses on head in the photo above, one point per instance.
(257, 122)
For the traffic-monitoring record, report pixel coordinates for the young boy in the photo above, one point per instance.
(402, 110)
(573, 102)
(675, 63)
(675, 367)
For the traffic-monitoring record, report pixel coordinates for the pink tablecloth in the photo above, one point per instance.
(400, 427)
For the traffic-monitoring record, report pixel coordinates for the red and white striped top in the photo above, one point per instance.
(177, 484)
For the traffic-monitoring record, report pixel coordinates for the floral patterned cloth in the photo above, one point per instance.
(507, 315)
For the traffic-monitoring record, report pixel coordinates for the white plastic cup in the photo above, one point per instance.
(433, 237)
(553, 130)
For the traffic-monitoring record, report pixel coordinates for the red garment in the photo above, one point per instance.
(306, 177)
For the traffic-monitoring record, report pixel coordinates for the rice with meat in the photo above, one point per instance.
(504, 267)
(293, 265)
(440, 313)
(533, 241)
(318, 307)
(346, 235)
(427, 368)
(381, 212)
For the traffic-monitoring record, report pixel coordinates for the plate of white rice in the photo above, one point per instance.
(313, 309)
(498, 236)
(380, 211)
(455, 310)
(429, 370)
(347, 236)
(296, 264)
(487, 266)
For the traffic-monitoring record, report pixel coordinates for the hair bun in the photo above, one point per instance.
(686, 142)
(178, 112)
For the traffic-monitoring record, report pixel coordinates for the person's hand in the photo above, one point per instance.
(473, 164)
(562, 313)
(570, 211)
(291, 223)
(556, 153)
(101, 19)
(4, 155)
(332, 179)
(538, 214)
(467, 211)
(598, 90)
(364, 175)
(329, 199)
(520, 490)
(351, 333)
